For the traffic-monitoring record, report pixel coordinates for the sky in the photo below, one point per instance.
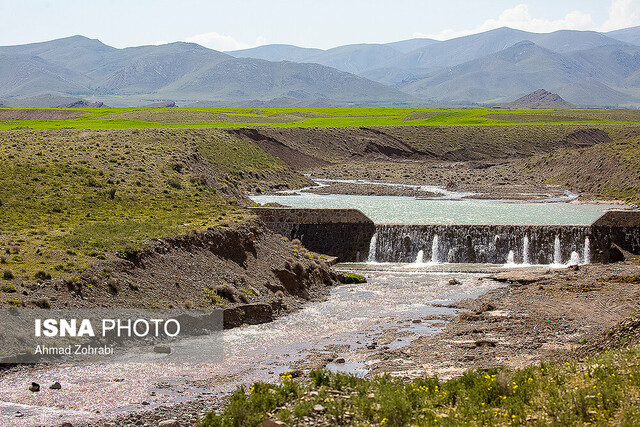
(230, 25)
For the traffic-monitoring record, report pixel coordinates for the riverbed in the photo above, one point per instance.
(339, 333)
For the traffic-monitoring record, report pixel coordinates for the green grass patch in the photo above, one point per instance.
(600, 391)
(69, 198)
(138, 118)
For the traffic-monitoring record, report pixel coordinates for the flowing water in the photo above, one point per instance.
(352, 317)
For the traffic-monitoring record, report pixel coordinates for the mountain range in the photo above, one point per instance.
(585, 68)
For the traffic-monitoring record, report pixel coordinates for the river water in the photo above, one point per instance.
(351, 318)
(448, 208)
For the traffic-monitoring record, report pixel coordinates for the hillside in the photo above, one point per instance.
(519, 69)
(71, 198)
(606, 171)
(184, 72)
(540, 99)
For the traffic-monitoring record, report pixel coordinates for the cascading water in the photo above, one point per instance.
(478, 244)
(587, 250)
(557, 251)
(435, 254)
(419, 257)
(511, 258)
(372, 248)
(575, 258)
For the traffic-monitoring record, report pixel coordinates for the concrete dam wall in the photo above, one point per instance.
(343, 233)
(482, 244)
(351, 236)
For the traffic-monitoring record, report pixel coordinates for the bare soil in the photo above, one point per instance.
(219, 268)
(40, 114)
(537, 316)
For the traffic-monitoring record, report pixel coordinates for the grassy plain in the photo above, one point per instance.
(112, 118)
(70, 197)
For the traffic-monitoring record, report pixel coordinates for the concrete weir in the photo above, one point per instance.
(349, 235)
(343, 233)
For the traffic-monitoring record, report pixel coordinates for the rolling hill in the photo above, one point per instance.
(185, 72)
(584, 67)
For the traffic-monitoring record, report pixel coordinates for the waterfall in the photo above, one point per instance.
(478, 244)
(511, 258)
(435, 252)
(372, 248)
(575, 258)
(419, 257)
(587, 250)
(557, 251)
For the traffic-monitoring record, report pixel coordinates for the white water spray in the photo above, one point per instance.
(525, 251)
(511, 258)
(435, 251)
(575, 258)
(557, 252)
(372, 248)
(419, 257)
(587, 250)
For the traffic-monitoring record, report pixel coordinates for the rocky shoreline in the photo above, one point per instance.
(537, 315)
(534, 316)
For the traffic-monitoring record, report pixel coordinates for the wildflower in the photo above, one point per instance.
(383, 421)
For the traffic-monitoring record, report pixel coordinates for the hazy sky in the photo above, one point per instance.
(229, 24)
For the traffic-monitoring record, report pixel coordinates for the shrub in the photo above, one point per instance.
(174, 183)
(7, 289)
(352, 278)
(7, 275)
(42, 275)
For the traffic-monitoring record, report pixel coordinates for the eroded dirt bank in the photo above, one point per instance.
(242, 265)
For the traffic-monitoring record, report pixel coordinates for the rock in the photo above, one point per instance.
(34, 387)
(454, 282)
(169, 423)
(339, 360)
(55, 386)
(145, 403)
(162, 349)
(272, 423)
(19, 414)
(485, 342)
(416, 321)
(319, 408)
(66, 425)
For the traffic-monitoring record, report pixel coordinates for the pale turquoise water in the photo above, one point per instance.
(408, 210)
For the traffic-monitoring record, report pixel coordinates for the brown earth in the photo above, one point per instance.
(537, 316)
(330, 145)
(40, 114)
(487, 180)
(540, 99)
(220, 268)
(498, 162)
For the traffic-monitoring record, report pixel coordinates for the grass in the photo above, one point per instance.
(69, 198)
(113, 118)
(604, 390)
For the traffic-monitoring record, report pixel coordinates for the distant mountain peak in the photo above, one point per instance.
(540, 99)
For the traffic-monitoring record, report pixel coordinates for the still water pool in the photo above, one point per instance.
(408, 210)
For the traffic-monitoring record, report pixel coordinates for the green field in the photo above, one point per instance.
(69, 198)
(112, 118)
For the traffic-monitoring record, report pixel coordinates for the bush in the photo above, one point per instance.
(352, 278)
(7, 275)
(8, 289)
(42, 275)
